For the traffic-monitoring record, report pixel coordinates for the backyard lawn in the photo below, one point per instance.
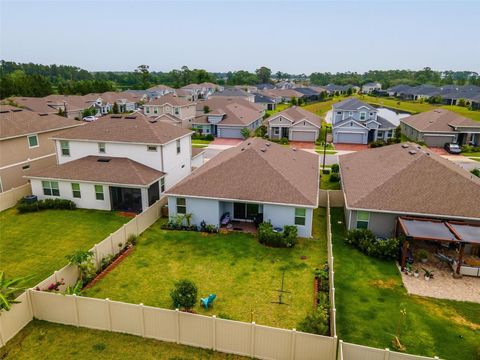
(43, 340)
(279, 107)
(36, 243)
(370, 295)
(241, 272)
(321, 108)
(326, 184)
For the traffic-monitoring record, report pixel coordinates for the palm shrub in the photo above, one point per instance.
(10, 289)
(184, 294)
(335, 168)
(84, 261)
(315, 322)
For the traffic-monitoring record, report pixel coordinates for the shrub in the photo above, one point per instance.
(316, 322)
(245, 133)
(269, 237)
(184, 294)
(365, 241)
(284, 141)
(377, 143)
(334, 177)
(476, 172)
(470, 148)
(335, 168)
(209, 137)
(58, 204)
(84, 260)
(261, 131)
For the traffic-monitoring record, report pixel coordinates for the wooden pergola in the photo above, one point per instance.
(456, 232)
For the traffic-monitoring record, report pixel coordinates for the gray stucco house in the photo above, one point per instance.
(440, 126)
(356, 122)
(255, 179)
(295, 124)
(406, 179)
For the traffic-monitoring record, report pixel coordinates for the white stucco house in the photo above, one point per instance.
(356, 122)
(256, 180)
(117, 163)
(295, 124)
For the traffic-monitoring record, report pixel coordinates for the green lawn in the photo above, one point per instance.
(201, 142)
(326, 184)
(417, 107)
(321, 108)
(36, 243)
(370, 294)
(279, 107)
(201, 146)
(43, 340)
(243, 273)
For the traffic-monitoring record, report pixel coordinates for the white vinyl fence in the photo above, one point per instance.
(207, 332)
(349, 351)
(331, 273)
(10, 197)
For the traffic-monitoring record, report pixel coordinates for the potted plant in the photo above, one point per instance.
(423, 255)
(416, 273)
(428, 274)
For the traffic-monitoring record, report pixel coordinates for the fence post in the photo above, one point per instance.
(95, 251)
(75, 308)
(386, 355)
(292, 343)
(136, 224)
(109, 315)
(340, 345)
(252, 341)
(335, 347)
(177, 333)
(125, 231)
(29, 301)
(55, 276)
(2, 338)
(142, 319)
(214, 332)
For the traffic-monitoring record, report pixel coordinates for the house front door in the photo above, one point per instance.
(284, 132)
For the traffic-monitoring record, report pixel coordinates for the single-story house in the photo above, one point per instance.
(267, 102)
(382, 184)
(225, 117)
(255, 179)
(295, 124)
(371, 87)
(99, 182)
(440, 126)
(234, 92)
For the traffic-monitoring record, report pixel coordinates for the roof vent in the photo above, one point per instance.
(43, 114)
(404, 146)
(16, 110)
(103, 160)
(412, 152)
(152, 121)
(242, 149)
(267, 144)
(116, 116)
(249, 143)
(263, 150)
(132, 117)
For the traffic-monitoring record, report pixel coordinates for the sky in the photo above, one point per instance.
(288, 36)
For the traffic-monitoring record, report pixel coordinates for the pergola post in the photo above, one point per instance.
(460, 257)
(404, 254)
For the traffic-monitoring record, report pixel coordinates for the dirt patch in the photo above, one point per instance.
(384, 284)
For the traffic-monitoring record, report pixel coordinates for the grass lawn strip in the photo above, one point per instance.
(44, 340)
(370, 294)
(37, 243)
(241, 272)
(326, 184)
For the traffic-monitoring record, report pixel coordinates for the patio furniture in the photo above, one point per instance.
(225, 219)
(208, 301)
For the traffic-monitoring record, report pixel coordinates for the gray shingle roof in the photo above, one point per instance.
(352, 104)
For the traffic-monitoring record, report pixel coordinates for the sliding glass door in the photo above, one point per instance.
(245, 211)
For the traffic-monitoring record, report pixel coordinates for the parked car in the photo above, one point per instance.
(90, 118)
(453, 148)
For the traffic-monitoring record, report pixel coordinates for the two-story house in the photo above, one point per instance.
(25, 143)
(226, 117)
(179, 109)
(105, 102)
(356, 122)
(371, 87)
(119, 162)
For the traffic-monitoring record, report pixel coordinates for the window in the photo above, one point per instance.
(50, 188)
(390, 133)
(300, 215)
(147, 109)
(206, 131)
(363, 115)
(32, 141)
(155, 110)
(162, 184)
(181, 206)
(151, 148)
(380, 134)
(178, 147)
(25, 167)
(362, 219)
(339, 113)
(99, 192)
(177, 111)
(276, 131)
(76, 190)
(65, 148)
(101, 148)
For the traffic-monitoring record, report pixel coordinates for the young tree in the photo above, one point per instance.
(293, 101)
(245, 133)
(144, 72)
(184, 294)
(115, 108)
(264, 74)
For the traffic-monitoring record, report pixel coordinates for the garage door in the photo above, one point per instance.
(303, 135)
(437, 141)
(350, 138)
(230, 133)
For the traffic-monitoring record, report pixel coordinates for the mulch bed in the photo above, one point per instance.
(110, 267)
(127, 214)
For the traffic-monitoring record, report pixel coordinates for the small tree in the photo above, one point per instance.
(476, 172)
(115, 108)
(206, 109)
(398, 133)
(315, 322)
(461, 102)
(184, 294)
(245, 133)
(84, 261)
(293, 101)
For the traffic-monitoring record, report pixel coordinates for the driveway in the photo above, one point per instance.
(350, 147)
(302, 144)
(226, 141)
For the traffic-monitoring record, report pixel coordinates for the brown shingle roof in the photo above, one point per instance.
(392, 179)
(134, 128)
(297, 114)
(256, 170)
(101, 169)
(438, 120)
(17, 122)
(170, 99)
(236, 111)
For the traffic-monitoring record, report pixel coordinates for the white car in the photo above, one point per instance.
(90, 118)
